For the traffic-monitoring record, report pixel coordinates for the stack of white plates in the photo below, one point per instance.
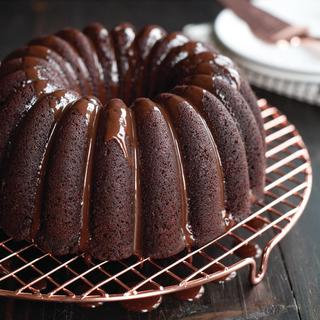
(293, 71)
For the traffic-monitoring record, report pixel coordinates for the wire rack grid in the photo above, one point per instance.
(29, 273)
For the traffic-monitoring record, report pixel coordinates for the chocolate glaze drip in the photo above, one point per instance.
(248, 250)
(35, 73)
(143, 43)
(18, 79)
(256, 223)
(40, 285)
(216, 153)
(175, 56)
(29, 62)
(89, 107)
(51, 57)
(145, 109)
(105, 50)
(123, 37)
(177, 107)
(137, 244)
(184, 219)
(71, 57)
(119, 125)
(206, 62)
(11, 117)
(227, 64)
(246, 123)
(143, 304)
(191, 294)
(197, 97)
(145, 63)
(61, 101)
(157, 54)
(85, 49)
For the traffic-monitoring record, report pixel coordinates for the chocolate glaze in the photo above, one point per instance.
(256, 223)
(114, 185)
(206, 62)
(190, 126)
(161, 203)
(71, 57)
(40, 285)
(184, 218)
(53, 58)
(89, 107)
(227, 65)
(157, 54)
(13, 81)
(191, 294)
(25, 168)
(175, 56)
(126, 65)
(244, 118)
(143, 43)
(228, 140)
(143, 304)
(86, 51)
(123, 37)
(58, 102)
(248, 250)
(120, 126)
(68, 178)
(146, 39)
(16, 106)
(137, 245)
(22, 63)
(103, 44)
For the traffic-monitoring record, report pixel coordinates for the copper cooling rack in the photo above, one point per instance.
(29, 273)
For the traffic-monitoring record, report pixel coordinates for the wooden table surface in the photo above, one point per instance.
(291, 288)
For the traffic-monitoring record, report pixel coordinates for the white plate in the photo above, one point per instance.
(294, 63)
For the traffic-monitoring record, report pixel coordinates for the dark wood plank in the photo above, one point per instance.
(301, 248)
(236, 299)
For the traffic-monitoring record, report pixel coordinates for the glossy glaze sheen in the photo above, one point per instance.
(123, 63)
(63, 100)
(91, 109)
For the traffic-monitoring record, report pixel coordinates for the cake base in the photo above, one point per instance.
(140, 284)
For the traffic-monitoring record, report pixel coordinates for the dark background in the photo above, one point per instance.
(22, 20)
(291, 289)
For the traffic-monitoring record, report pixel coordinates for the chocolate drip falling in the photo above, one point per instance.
(91, 109)
(184, 219)
(63, 101)
(136, 64)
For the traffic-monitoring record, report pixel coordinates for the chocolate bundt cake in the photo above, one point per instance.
(125, 143)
